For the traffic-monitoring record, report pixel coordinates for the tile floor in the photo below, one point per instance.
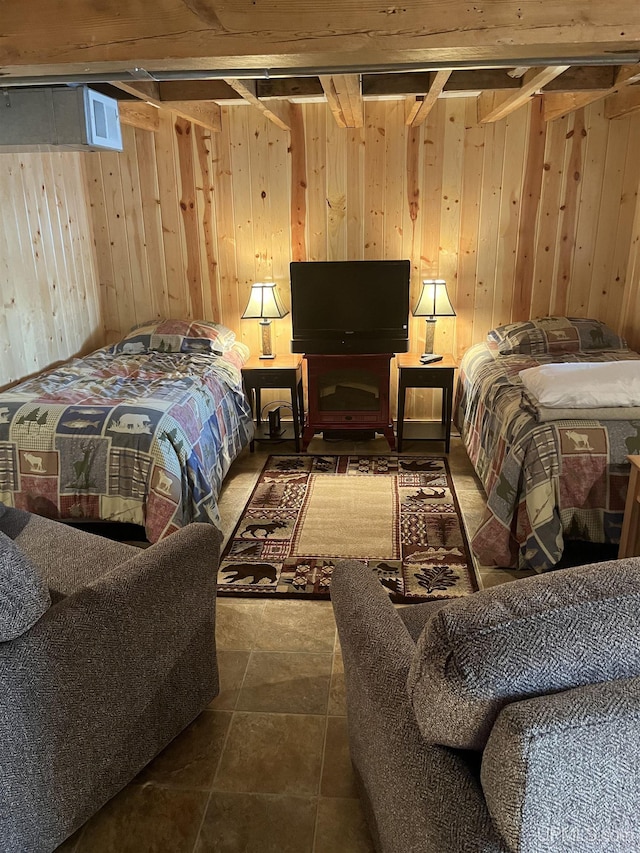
(265, 769)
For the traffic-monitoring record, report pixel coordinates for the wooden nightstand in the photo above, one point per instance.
(629, 539)
(439, 374)
(284, 371)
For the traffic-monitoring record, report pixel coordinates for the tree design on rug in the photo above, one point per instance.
(269, 494)
(437, 578)
(443, 529)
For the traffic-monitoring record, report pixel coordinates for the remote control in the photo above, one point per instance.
(429, 359)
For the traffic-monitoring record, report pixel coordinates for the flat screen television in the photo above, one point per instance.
(350, 306)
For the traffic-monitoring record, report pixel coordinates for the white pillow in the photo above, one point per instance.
(587, 385)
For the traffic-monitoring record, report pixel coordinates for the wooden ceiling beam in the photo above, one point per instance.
(575, 78)
(438, 81)
(247, 90)
(578, 78)
(534, 80)
(627, 74)
(624, 76)
(197, 90)
(139, 114)
(80, 36)
(344, 97)
(583, 78)
(205, 114)
(412, 105)
(353, 87)
(289, 87)
(418, 82)
(622, 103)
(333, 100)
(142, 89)
(558, 104)
(345, 101)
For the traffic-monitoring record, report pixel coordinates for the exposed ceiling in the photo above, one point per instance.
(193, 56)
(498, 92)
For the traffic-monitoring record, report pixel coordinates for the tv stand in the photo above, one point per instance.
(348, 392)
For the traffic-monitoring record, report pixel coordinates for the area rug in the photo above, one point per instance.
(397, 514)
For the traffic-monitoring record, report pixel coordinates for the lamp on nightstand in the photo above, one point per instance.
(265, 305)
(434, 302)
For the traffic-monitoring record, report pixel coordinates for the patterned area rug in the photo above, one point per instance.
(397, 514)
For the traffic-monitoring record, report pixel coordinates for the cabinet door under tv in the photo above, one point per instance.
(348, 392)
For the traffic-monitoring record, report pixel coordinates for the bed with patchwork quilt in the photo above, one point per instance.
(551, 472)
(140, 432)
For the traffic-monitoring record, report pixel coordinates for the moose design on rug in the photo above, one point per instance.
(269, 528)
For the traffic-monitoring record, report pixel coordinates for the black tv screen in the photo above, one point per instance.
(350, 306)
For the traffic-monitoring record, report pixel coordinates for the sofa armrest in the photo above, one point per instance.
(374, 640)
(108, 676)
(416, 796)
(562, 772)
(132, 620)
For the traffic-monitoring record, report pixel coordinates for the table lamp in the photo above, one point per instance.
(434, 302)
(264, 305)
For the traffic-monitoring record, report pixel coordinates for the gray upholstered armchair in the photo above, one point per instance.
(107, 652)
(503, 722)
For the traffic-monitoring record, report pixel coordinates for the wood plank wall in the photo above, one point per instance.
(50, 307)
(521, 218)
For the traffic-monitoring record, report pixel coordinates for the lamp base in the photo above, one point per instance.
(265, 339)
(430, 332)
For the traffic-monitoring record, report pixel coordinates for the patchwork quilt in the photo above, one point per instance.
(144, 438)
(545, 480)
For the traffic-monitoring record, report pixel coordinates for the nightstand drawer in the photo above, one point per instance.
(269, 378)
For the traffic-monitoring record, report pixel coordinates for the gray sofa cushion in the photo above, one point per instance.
(24, 596)
(553, 762)
(539, 635)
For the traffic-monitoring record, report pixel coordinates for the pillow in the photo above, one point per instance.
(24, 596)
(585, 385)
(187, 336)
(555, 335)
(535, 636)
(553, 763)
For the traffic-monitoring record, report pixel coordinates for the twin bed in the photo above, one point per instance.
(145, 431)
(140, 432)
(550, 472)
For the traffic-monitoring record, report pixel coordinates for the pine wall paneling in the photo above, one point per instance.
(50, 306)
(227, 271)
(171, 221)
(631, 298)
(521, 217)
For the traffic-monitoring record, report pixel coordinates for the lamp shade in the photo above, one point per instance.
(264, 303)
(434, 300)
